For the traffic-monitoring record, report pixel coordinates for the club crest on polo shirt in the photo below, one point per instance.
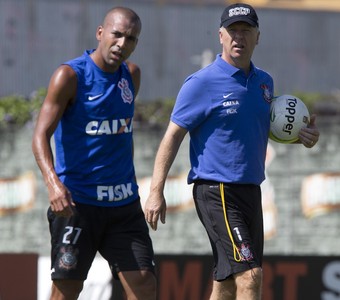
(126, 93)
(267, 96)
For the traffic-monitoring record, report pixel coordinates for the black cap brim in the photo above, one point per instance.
(226, 23)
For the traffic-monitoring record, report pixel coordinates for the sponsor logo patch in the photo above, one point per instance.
(91, 98)
(227, 95)
(239, 11)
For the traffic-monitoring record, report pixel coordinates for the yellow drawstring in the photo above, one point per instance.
(236, 251)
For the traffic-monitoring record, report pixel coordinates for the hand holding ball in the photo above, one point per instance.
(288, 114)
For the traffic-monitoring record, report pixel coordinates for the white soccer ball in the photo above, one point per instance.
(288, 114)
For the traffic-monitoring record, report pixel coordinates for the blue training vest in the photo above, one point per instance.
(93, 139)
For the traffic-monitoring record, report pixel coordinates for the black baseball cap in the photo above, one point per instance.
(239, 12)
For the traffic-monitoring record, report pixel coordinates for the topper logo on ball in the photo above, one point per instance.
(290, 117)
(288, 114)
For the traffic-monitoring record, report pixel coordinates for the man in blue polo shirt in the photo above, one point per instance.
(225, 108)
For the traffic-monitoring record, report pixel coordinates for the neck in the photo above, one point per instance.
(241, 64)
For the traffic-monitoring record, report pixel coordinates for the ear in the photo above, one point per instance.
(220, 35)
(99, 32)
(258, 38)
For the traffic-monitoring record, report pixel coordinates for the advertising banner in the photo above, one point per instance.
(189, 277)
(18, 276)
(284, 277)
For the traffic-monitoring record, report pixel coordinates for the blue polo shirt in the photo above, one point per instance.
(227, 116)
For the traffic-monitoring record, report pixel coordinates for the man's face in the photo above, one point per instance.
(118, 38)
(238, 42)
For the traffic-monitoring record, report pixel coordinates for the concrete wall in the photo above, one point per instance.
(299, 48)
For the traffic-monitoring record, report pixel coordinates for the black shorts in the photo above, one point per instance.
(119, 234)
(234, 224)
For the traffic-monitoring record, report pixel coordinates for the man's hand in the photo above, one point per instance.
(309, 136)
(60, 200)
(155, 209)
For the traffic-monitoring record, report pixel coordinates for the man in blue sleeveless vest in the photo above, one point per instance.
(226, 109)
(93, 194)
